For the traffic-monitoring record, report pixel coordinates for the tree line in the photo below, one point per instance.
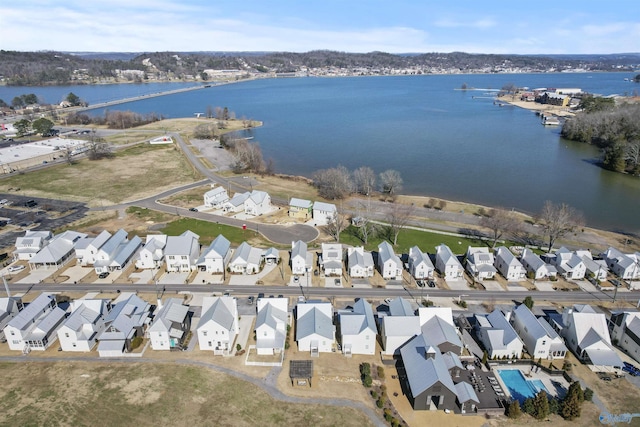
(338, 182)
(615, 129)
(113, 119)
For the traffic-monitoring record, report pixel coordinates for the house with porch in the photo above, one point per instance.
(170, 325)
(127, 319)
(216, 257)
(246, 259)
(33, 319)
(31, 243)
(271, 325)
(420, 265)
(331, 259)
(508, 265)
(595, 268)
(118, 258)
(218, 327)
(569, 264)
(258, 203)
(625, 266)
(360, 262)
(181, 252)
(358, 329)
(58, 252)
(216, 197)
(236, 203)
(315, 331)
(389, 263)
(479, 263)
(81, 329)
(498, 336)
(624, 327)
(447, 263)
(87, 249)
(539, 338)
(300, 209)
(324, 213)
(9, 308)
(271, 256)
(151, 256)
(301, 259)
(536, 267)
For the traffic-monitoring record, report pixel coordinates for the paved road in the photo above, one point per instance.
(267, 384)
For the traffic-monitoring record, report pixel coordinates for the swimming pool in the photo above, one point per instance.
(519, 387)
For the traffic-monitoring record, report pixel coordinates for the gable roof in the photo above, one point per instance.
(418, 257)
(300, 203)
(386, 253)
(314, 321)
(325, 207)
(358, 320)
(359, 257)
(173, 311)
(299, 249)
(499, 322)
(400, 307)
(182, 244)
(219, 310)
(437, 331)
(31, 311)
(422, 372)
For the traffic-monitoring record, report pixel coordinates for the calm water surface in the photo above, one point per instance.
(445, 142)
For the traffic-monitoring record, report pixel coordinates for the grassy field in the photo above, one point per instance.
(106, 394)
(131, 173)
(209, 231)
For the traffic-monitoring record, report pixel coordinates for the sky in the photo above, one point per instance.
(394, 26)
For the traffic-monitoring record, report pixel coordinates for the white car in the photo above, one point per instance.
(15, 268)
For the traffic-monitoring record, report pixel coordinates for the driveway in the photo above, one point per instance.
(206, 278)
(36, 276)
(458, 285)
(173, 278)
(544, 286)
(76, 273)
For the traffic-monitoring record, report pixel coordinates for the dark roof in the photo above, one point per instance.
(300, 369)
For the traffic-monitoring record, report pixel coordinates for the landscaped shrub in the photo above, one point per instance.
(365, 368)
(238, 347)
(588, 394)
(380, 403)
(136, 342)
(380, 372)
(367, 380)
(374, 394)
(387, 415)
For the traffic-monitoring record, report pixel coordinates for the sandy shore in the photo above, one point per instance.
(536, 107)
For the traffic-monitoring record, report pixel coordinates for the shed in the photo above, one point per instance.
(301, 372)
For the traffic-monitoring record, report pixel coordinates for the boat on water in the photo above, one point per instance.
(550, 120)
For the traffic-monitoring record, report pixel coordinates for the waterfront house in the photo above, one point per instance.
(301, 259)
(170, 325)
(498, 336)
(58, 252)
(539, 338)
(30, 244)
(447, 263)
(508, 265)
(625, 266)
(215, 258)
(595, 268)
(245, 259)
(9, 308)
(389, 263)
(258, 203)
(151, 256)
(236, 203)
(420, 265)
(181, 252)
(218, 325)
(324, 213)
(81, 329)
(569, 264)
(216, 197)
(300, 209)
(271, 325)
(360, 262)
(625, 331)
(536, 267)
(358, 330)
(331, 259)
(479, 263)
(33, 319)
(127, 319)
(315, 332)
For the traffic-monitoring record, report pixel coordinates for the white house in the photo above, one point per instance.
(271, 256)
(87, 249)
(420, 265)
(539, 338)
(331, 259)
(389, 263)
(34, 328)
(622, 265)
(596, 268)
(30, 244)
(9, 308)
(151, 256)
(585, 332)
(315, 332)
(218, 325)
(399, 326)
(81, 329)
(508, 265)
(301, 259)
(480, 263)
(447, 263)
(536, 266)
(360, 262)
(271, 325)
(216, 197)
(498, 336)
(181, 252)
(358, 330)
(246, 259)
(570, 265)
(215, 258)
(127, 319)
(170, 325)
(324, 213)
(58, 252)
(236, 203)
(625, 331)
(258, 203)
(116, 255)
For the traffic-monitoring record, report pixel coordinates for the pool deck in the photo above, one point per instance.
(490, 401)
(556, 385)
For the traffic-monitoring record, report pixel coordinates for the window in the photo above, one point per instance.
(204, 333)
(66, 334)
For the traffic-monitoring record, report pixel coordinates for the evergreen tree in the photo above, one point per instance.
(572, 403)
(554, 405)
(528, 301)
(528, 407)
(513, 410)
(541, 405)
(588, 394)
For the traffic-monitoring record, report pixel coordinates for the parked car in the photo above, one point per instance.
(15, 268)
(103, 275)
(432, 284)
(261, 295)
(615, 283)
(250, 299)
(420, 283)
(193, 209)
(338, 282)
(296, 279)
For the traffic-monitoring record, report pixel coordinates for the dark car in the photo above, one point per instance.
(432, 284)
(30, 203)
(103, 275)
(193, 209)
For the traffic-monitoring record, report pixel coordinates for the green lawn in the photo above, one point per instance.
(209, 231)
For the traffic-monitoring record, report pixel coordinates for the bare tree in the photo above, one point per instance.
(68, 155)
(98, 147)
(365, 180)
(337, 224)
(398, 217)
(209, 113)
(390, 182)
(366, 227)
(333, 183)
(632, 156)
(499, 222)
(557, 220)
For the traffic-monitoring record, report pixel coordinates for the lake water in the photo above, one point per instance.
(445, 142)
